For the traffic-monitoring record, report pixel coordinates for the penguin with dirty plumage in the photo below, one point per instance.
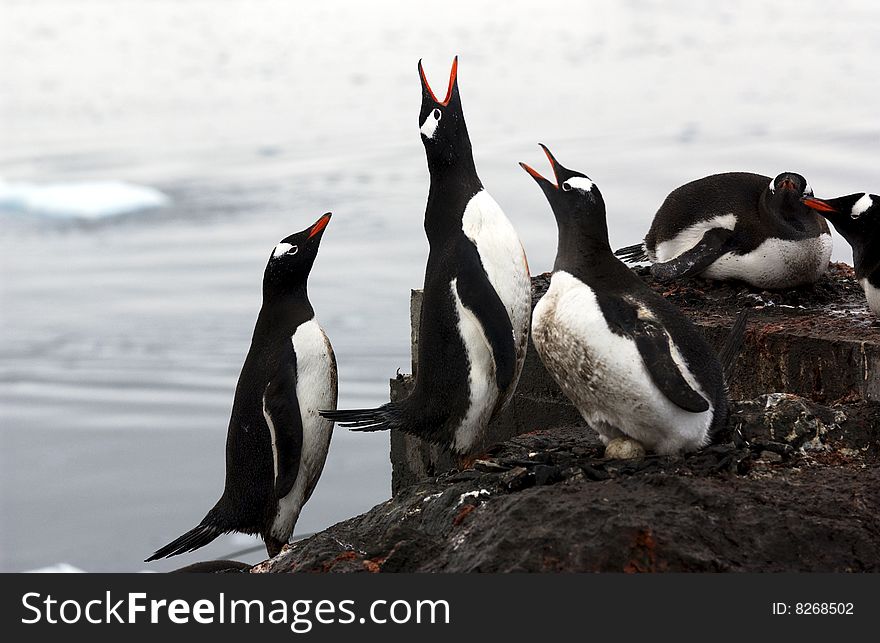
(477, 298)
(637, 370)
(277, 442)
(737, 226)
(857, 218)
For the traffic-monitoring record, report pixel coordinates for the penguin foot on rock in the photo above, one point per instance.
(624, 449)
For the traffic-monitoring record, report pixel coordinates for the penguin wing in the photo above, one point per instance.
(281, 408)
(479, 297)
(652, 342)
(691, 262)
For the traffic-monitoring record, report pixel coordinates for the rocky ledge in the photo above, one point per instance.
(792, 486)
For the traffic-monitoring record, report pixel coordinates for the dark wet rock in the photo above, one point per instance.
(799, 490)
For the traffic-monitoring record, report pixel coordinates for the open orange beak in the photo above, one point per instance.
(320, 224)
(817, 204)
(452, 76)
(537, 175)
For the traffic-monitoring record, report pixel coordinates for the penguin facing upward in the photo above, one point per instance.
(738, 226)
(477, 297)
(857, 218)
(637, 370)
(277, 442)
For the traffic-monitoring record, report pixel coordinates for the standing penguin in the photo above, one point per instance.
(277, 443)
(637, 370)
(857, 218)
(737, 226)
(477, 297)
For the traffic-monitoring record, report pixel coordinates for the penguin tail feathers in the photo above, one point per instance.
(733, 344)
(195, 538)
(632, 254)
(384, 418)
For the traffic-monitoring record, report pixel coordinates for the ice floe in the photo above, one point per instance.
(79, 200)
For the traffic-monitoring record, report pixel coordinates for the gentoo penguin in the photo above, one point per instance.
(477, 297)
(276, 443)
(637, 370)
(738, 226)
(857, 218)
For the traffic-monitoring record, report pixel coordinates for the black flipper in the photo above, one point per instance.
(652, 342)
(281, 406)
(733, 344)
(479, 297)
(190, 541)
(632, 254)
(697, 259)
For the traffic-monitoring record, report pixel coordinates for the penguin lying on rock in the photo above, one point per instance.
(477, 298)
(277, 443)
(737, 226)
(637, 370)
(857, 218)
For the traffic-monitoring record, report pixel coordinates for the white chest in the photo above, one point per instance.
(776, 263)
(603, 374)
(502, 256)
(315, 390)
(504, 261)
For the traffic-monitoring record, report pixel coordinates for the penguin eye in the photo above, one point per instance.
(566, 186)
(437, 114)
(293, 250)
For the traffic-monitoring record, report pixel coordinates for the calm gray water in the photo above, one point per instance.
(122, 336)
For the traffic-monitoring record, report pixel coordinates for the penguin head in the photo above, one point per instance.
(291, 260)
(441, 122)
(576, 201)
(785, 192)
(854, 216)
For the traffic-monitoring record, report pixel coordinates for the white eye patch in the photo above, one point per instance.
(283, 249)
(861, 205)
(772, 186)
(808, 191)
(578, 183)
(431, 121)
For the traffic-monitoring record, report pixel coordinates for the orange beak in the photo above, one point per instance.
(536, 175)
(452, 76)
(817, 204)
(320, 224)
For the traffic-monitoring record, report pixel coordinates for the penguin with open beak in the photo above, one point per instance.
(638, 371)
(476, 303)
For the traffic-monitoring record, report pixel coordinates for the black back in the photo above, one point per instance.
(248, 501)
(762, 212)
(857, 218)
(584, 251)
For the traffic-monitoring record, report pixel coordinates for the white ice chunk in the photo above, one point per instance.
(79, 200)
(57, 568)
